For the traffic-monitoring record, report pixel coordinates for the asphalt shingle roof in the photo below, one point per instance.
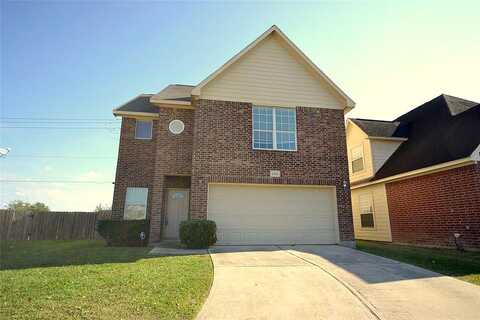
(177, 92)
(139, 104)
(441, 130)
(380, 128)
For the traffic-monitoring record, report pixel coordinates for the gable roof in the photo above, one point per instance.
(380, 128)
(437, 133)
(174, 93)
(274, 29)
(139, 105)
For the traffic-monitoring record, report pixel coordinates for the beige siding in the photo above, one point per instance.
(381, 231)
(272, 74)
(356, 137)
(381, 151)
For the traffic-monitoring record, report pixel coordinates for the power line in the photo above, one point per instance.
(68, 128)
(96, 122)
(60, 119)
(60, 156)
(55, 181)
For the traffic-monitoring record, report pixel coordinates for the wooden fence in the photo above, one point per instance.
(50, 225)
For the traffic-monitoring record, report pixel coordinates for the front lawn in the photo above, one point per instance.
(87, 280)
(461, 265)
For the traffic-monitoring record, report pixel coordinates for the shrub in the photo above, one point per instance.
(124, 232)
(196, 234)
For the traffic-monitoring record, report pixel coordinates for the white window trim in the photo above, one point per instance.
(151, 129)
(372, 205)
(274, 130)
(360, 146)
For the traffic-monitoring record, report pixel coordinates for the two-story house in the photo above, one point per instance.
(416, 179)
(258, 146)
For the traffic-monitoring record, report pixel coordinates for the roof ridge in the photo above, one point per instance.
(363, 119)
(445, 96)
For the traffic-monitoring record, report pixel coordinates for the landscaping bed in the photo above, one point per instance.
(88, 280)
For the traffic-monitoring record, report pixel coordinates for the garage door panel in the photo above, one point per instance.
(273, 221)
(247, 214)
(314, 236)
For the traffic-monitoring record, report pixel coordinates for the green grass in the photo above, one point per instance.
(461, 265)
(87, 280)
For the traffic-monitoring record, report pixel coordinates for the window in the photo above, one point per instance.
(274, 128)
(176, 126)
(357, 159)
(366, 211)
(143, 129)
(135, 204)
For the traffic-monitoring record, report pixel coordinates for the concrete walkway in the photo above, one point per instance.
(330, 282)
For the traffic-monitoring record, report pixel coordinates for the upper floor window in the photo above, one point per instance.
(357, 159)
(366, 211)
(143, 129)
(274, 128)
(135, 204)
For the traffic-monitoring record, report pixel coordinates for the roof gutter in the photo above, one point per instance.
(420, 172)
(167, 101)
(388, 138)
(134, 114)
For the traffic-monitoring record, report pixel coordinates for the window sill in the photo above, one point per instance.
(276, 150)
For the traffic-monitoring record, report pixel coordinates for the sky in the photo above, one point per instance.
(68, 64)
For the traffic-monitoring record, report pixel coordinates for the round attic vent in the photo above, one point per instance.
(176, 126)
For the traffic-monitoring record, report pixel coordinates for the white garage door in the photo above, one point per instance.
(266, 214)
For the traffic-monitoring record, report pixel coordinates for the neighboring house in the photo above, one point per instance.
(416, 179)
(259, 147)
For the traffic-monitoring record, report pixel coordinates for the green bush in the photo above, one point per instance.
(196, 234)
(124, 233)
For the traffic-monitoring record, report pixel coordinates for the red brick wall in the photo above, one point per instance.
(173, 157)
(134, 165)
(145, 163)
(221, 135)
(428, 210)
(223, 153)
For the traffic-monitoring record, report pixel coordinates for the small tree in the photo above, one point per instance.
(23, 206)
(102, 207)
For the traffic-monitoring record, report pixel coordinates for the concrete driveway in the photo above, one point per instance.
(330, 282)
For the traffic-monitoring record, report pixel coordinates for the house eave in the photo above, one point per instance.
(118, 113)
(420, 172)
(348, 101)
(388, 138)
(170, 102)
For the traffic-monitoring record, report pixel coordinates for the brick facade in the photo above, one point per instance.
(173, 157)
(134, 165)
(223, 153)
(429, 209)
(216, 146)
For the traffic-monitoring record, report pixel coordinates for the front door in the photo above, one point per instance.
(177, 211)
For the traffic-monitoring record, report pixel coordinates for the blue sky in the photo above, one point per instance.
(79, 60)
